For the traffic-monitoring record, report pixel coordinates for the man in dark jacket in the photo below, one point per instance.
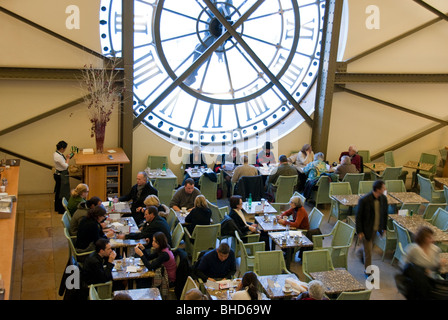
(98, 265)
(138, 194)
(371, 217)
(217, 264)
(154, 223)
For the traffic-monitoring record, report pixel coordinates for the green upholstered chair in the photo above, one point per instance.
(388, 241)
(356, 295)
(338, 210)
(165, 187)
(156, 162)
(403, 239)
(428, 191)
(342, 236)
(285, 188)
(354, 179)
(270, 263)
(100, 291)
(316, 261)
(204, 237)
(246, 252)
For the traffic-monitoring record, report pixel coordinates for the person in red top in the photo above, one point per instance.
(355, 158)
(299, 215)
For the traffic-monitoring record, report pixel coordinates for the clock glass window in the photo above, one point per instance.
(220, 72)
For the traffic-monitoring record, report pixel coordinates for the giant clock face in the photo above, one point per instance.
(217, 72)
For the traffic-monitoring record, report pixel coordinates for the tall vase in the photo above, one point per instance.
(100, 131)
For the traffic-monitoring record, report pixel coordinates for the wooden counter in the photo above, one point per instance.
(8, 231)
(101, 174)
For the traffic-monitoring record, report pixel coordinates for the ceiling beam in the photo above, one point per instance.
(432, 9)
(54, 34)
(395, 39)
(18, 73)
(344, 78)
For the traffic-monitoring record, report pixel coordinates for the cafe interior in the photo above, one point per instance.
(134, 87)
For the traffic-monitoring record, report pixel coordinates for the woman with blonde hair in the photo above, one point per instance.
(153, 200)
(199, 215)
(78, 195)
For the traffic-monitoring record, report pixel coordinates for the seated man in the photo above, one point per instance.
(345, 167)
(138, 194)
(97, 267)
(265, 155)
(244, 170)
(217, 264)
(355, 158)
(185, 196)
(283, 169)
(153, 223)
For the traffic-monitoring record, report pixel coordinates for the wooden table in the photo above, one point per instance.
(289, 242)
(119, 207)
(142, 272)
(408, 197)
(442, 181)
(154, 174)
(418, 166)
(337, 281)
(141, 294)
(269, 225)
(275, 291)
(8, 232)
(413, 224)
(224, 293)
(376, 167)
(197, 173)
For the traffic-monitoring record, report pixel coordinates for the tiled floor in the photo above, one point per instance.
(42, 252)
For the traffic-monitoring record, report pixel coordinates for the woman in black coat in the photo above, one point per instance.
(237, 214)
(90, 229)
(199, 215)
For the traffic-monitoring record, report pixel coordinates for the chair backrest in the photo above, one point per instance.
(340, 188)
(65, 204)
(315, 218)
(389, 158)
(280, 206)
(316, 261)
(357, 295)
(323, 187)
(301, 196)
(156, 162)
(429, 158)
(251, 185)
(209, 188)
(205, 236)
(165, 187)
(425, 187)
(431, 209)
(241, 251)
(403, 236)
(100, 291)
(365, 154)
(342, 234)
(217, 214)
(176, 236)
(391, 173)
(66, 220)
(414, 207)
(269, 263)
(172, 219)
(440, 219)
(445, 193)
(353, 179)
(365, 187)
(189, 284)
(285, 188)
(395, 186)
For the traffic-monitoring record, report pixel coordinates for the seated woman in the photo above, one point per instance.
(300, 160)
(153, 200)
(299, 215)
(422, 263)
(248, 288)
(78, 195)
(90, 229)
(237, 214)
(316, 291)
(200, 215)
(161, 255)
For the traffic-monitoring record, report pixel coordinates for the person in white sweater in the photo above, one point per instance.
(248, 288)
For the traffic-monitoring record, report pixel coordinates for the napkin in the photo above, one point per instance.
(273, 284)
(297, 285)
(403, 213)
(295, 233)
(117, 224)
(131, 269)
